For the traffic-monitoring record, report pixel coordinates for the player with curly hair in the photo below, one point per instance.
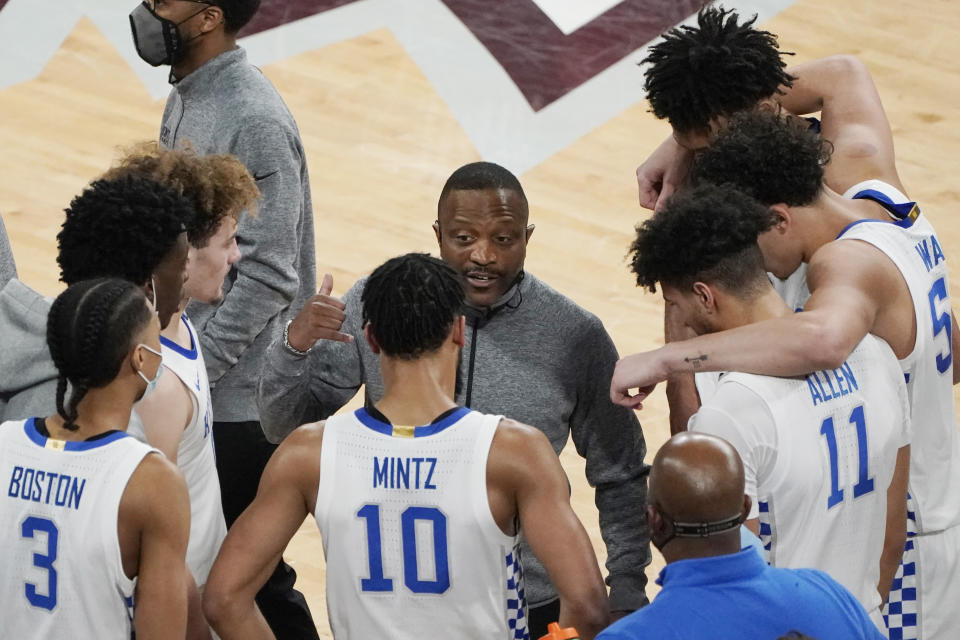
(101, 521)
(220, 103)
(131, 228)
(698, 76)
(178, 416)
(874, 264)
(701, 248)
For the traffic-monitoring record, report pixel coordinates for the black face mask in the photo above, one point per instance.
(157, 39)
(693, 529)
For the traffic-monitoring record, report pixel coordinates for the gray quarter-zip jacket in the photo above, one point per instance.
(229, 106)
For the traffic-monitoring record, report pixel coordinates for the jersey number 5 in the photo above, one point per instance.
(408, 533)
(865, 483)
(30, 527)
(941, 322)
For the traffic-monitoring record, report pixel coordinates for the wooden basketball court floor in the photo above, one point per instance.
(381, 140)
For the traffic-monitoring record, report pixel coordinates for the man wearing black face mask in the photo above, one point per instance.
(220, 103)
(712, 588)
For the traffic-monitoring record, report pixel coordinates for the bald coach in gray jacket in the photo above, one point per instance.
(531, 354)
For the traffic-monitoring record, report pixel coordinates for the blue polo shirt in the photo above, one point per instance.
(740, 597)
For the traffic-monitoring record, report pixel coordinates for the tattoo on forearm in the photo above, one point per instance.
(696, 362)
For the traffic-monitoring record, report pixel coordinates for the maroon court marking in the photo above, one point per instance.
(544, 63)
(274, 13)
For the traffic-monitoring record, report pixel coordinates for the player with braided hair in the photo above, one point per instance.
(450, 496)
(100, 520)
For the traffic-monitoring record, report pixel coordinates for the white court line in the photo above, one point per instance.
(483, 98)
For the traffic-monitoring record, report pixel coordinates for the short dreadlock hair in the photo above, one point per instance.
(705, 234)
(772, 158)
(411, 303)
(715, 69)
(121, 228)
(91, 328)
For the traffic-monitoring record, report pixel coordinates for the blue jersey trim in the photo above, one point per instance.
(189, 354)
(418, 432)
(30, 428)
(902, 212)
(855, 223)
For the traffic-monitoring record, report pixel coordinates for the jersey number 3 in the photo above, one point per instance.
(408, 533)
(864, 482)
(29, 529)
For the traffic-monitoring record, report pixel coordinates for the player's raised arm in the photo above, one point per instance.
(838, 315)
(522, 461)
(250, 552)
(852, 119)
(155, 509)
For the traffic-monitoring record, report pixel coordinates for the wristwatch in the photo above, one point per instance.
(286, 342)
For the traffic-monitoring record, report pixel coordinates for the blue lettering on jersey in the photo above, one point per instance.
(36, 485)
(403, 473)
(840, 382)
(930, 259)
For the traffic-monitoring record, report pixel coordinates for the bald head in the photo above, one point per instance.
(697, 478)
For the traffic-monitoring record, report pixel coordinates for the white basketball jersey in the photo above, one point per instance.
(195, 457)
(61, 574)
(912, 245)
(412, 548)
(819, 453)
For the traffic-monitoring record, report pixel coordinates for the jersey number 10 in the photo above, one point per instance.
(408, 532)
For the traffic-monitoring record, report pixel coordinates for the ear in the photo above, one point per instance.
(436, 230)
(370, 339)
(769, 105)
(150, 293)
(136, 359)
(783, 218)
(705, 296)
(653, 518)
(530, 228)
(211, 19)
(747, 503)
(459, 332)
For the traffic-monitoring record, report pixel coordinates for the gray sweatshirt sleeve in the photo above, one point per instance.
(8, 268)
(266, 278)
(294, 390)
(610, 439)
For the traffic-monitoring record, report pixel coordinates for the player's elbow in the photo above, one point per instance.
(220, 605)
(845, 66)
(826, 346)
(588, 611)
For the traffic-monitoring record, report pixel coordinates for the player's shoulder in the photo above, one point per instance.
(739, 388)
(155, 470)
(307, 435)
(514, 440)
(156, 488)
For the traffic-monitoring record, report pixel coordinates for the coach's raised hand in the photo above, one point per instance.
(320, 319)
